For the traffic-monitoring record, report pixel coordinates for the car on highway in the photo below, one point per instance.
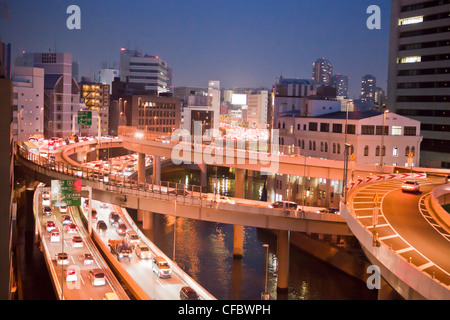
(46, 198)
(71, 274)
(63, 209)
(179, 192)
(101, 226)
(71, 228)
(62, 258)
(104, 205)
(122, 229)
(47, 211)
(55, 235)
(49, 226)
(77, 242)
(132, 237)
(161, 267)
(114, 219)
(94, 215)
(410, 186)
(97, 277)
(285, 205)
(225, 199)
(142, 251)
(66, 219)
(87, 259)
(187, 293)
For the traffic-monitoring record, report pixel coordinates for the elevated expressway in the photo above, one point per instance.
(78, 287)
(402, 233)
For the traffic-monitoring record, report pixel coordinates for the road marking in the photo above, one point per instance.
(426, 265)
(389, 237)
(404, 250)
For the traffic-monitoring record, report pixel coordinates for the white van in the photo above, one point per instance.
(161, 267)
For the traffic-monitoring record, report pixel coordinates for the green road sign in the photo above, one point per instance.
(66, 193)
(85, 117)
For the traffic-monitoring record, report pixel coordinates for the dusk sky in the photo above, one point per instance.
(242, 43)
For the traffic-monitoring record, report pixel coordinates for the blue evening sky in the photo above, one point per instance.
(242, 43)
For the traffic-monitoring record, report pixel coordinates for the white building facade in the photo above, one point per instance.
(28, 102)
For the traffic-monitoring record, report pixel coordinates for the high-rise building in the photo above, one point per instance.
(106, 76)
(61, 93)
(28, 102)
(340, 82)
(322, 71)
(257, 104)
(151, 71)
(419, 73)
(75, 70)
(368, 85)
(6, 177)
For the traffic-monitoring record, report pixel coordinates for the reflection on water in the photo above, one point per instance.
(204, 250)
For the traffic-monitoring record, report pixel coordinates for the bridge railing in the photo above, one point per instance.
(187, 194)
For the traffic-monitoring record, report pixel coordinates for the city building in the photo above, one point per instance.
(106, 76)
(322, 71)
(151, 71)
(419, 73)
(159, 115)
(368, 85)
(322, 135)
(7, 220)
(28, 102)
(257, 105)
(61, 93)
(340, 82)
(95, 96)
(76, 70)
(202, 107)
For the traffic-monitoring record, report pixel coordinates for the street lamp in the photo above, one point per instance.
(383, 149)
(344, 183)
(265, 295)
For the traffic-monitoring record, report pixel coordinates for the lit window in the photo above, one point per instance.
(395, 152)
(412, 59)
(410, 20)
(396, 130)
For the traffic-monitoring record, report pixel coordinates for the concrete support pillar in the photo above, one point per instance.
(156, 170)
(238, 235)
(283, 241)
(249, 184)
(140, 215)
(141, 168)
(147, 220)
(386, 292)
(203, 175)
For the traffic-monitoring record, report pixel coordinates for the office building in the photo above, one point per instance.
(61, 93)
(257, 106)
(28, 102)
(368, 85)
(95, 96)
(322, 71)
(106, 76)
(7, 216)
(151, 71)
(419, 73)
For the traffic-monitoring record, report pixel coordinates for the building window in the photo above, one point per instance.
(409, 131)
(313, 126)
(337, 128)
(406, 151)
(377, 151)
(324, 127)
(396, 130)
(366, 151)
(395, 151)
(334, 147)
(410, 20)
(413, 59)
(367, 130)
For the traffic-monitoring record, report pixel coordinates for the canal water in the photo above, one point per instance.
(204, 250)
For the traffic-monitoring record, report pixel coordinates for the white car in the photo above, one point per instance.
(62, 258)
(132, 237)
(410, 186)
(71, 274)
(226, 199)
(143, 251)
(63, 209)
(97, 277)
(46, 199)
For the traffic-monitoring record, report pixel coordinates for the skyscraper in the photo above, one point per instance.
(340, 82)
(368, 85)
(419, 73)
(322, 71)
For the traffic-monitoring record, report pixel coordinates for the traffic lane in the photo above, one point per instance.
(141, 270)
(82, 289)
(402, 212)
